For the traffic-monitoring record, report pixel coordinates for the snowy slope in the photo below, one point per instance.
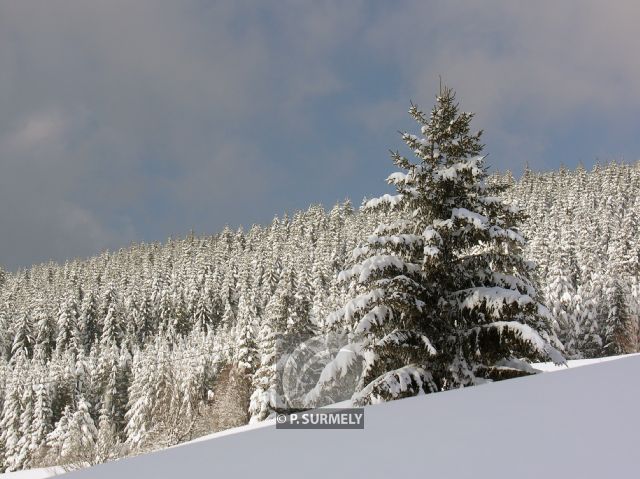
(577, 363)
(580, 422)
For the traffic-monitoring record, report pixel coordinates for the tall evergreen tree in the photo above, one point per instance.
(68, 333)
(45, 331)
(5, 337)
(246, 359)
(266, 398)
(23, 449)
(80, 437)
(42, 416)
(617, 327)
(10, 421)
(443, 297)
(88, 322)
(24, 341)
(141, 400)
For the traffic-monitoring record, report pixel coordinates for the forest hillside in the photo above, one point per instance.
(156, 344)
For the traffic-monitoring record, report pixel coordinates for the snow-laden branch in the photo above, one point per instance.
(375, 264)
(384, 200)
(452, 172)
(494, 299)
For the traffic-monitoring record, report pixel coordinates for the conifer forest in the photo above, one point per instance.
(462, 275)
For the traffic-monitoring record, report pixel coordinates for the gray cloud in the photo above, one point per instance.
(130, 120)
(543, 63)
(126, 121)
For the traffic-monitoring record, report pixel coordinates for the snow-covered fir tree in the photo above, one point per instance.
(442, 295)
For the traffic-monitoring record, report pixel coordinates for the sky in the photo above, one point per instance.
(135, 121)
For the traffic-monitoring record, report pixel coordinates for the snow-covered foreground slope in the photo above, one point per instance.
(580, 422)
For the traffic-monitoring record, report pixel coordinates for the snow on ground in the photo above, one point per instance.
(581, 422)
(34, 473)
(576, 363)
